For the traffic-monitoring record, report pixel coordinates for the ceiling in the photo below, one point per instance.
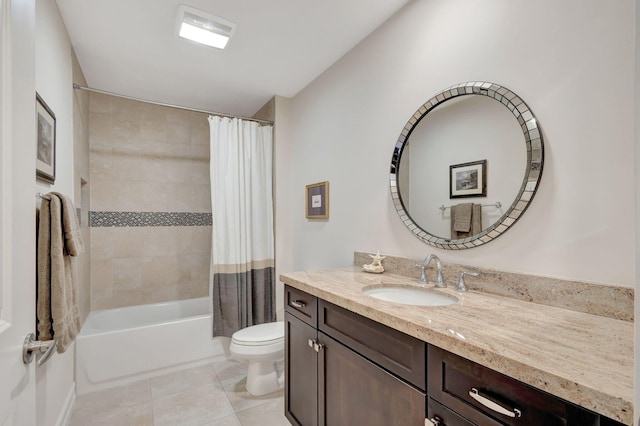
(279, 46)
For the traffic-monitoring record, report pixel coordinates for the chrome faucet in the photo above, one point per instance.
(461, 285)
(425, 264)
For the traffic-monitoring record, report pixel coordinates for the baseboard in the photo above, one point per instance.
(65, 413)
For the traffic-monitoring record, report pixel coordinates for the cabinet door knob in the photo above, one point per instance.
(315, 345)
(298, 304)
(494, 406)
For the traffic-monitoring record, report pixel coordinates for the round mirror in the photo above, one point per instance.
(466, 165)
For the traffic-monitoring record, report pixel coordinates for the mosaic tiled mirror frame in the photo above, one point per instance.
(533, 173)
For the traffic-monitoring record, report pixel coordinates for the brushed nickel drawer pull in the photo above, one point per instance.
(473, 393)
(298, 304)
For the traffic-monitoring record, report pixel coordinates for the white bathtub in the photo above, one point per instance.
(123, 345)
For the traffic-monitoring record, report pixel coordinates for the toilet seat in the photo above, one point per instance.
(259, 341)
(260, 335)
(263, 346)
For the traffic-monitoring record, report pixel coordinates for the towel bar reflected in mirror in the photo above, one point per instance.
(497, 205)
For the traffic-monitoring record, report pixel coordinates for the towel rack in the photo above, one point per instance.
(44, 196)
(497, 205)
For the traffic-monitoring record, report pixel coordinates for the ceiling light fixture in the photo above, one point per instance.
(204, 28)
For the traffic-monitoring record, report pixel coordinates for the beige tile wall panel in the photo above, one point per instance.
(148, 158)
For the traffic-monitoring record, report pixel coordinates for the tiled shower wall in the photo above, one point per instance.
(150, 203)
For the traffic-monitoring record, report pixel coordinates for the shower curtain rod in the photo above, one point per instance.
(104, 92)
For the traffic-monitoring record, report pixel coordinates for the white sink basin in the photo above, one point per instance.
(409, 295)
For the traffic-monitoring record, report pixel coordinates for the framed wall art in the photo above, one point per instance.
(45, 142)
(317, 200)
(468, 179)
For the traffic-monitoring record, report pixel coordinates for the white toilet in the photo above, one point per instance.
(263, 346)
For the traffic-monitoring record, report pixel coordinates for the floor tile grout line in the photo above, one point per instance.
(229, 385)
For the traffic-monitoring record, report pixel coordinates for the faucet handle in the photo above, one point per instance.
(423, 277)
(461, 285)
(440, 279)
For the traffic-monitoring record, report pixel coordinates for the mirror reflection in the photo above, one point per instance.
(466, 165)
(464, 130)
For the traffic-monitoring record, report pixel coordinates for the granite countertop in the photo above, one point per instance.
(583, 358)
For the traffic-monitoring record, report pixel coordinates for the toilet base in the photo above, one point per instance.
(263, 378)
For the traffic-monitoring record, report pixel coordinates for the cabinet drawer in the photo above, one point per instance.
(393, 350)
(446, 417)
(301, 304)
(452, 378)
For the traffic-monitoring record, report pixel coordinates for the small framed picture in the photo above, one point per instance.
(468, 179)
(317, 200)
(45, 142)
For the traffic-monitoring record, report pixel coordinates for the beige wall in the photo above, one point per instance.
(82, 183)
(282, 173)
(267, 112)
(147, 158)
(345, 123)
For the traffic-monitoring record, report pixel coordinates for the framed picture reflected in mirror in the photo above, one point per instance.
(468, 179)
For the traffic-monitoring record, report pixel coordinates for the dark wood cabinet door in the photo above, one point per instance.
(301, 373)
(355, 391)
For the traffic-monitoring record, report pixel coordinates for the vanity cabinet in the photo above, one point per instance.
(348, 369)
(301, 360)
(344, 369)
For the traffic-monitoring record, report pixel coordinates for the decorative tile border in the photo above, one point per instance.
(127, 219)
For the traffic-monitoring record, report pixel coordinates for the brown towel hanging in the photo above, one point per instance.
(59, 243)
(475, 221)
(462, 219)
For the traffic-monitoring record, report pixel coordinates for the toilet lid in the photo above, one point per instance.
(262, 334)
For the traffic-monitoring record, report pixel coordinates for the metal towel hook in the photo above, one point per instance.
(31, 345)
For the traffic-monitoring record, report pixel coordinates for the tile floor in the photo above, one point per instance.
(210, 395)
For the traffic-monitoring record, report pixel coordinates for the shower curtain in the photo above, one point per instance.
(242, 261)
